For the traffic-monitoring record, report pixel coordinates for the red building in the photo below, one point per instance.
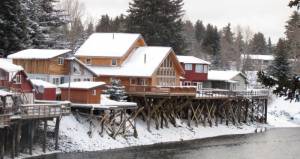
(13, 78)
(44, 90)
(196, 71)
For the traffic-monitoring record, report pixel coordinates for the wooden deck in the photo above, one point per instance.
(219, 94)
(160, 91)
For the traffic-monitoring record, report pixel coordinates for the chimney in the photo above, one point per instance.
(145, 59)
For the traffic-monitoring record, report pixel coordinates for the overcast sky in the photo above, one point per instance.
(267, 16)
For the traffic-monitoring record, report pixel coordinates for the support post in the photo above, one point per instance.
(266, 111)
(13, 143)
(57, 132)
(189, 116)
(2, 143)
(45, 136)
(31, 135)
(148, 114)
(19, 129)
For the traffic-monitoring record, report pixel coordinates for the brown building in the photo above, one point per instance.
(127, 58)
(82, 92)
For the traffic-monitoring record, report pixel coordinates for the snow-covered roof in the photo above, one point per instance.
(191, 60)
(107, 44)
(258, 57)
(135, 65)
(4, 93)
(82, 85)
(8, 66)
(41, 83)
(223, 75)
(38, 54)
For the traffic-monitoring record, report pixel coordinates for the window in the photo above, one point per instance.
(199, 68)
(77, 80)
(114, 62)
(60, 60)
(186, 83)
(188, 67)
(86, 79)
(205, 70)
(18, 79)
(88, 61)
(55, 81)
(132, 81)
(94, 92)
(62, 80)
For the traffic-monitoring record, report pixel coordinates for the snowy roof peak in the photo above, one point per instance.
(214, 75)
(108, 44)
(41, 83)
(8, 66)
(191, 60)
(141, 63)
(38, 54)
(82, 85)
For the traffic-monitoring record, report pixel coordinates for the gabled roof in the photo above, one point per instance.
(41, 83)
(82, 64)
(191, 60)
(108, 44)
(8, 66)
(258, 57)
(226, 76)
(143, 62)
(82, 85)
(38, 54)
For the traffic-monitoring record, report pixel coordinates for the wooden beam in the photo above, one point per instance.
(45, 136)
(2, 142)
(266, 111)
(57, 132)
(13, 142)
(19, 133)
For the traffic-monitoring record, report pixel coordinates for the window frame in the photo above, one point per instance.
(61, 60)
(188, 68)
(199, 68)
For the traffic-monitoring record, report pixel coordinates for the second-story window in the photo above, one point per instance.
(60, 60)
(94, 92)
(114, 62)
(88, 61)
(18, 79)
(205, 69)
(188, 67)
(199, 68)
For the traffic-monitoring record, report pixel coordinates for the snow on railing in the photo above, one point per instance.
(43, 110)
(161, 89)
(219, 93)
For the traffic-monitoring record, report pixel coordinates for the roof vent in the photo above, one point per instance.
(145, 59)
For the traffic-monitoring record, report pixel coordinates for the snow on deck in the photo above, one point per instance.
(82, 85)
(4, 93)
(223, 75)
(41, 83)
(135, 65)
(8, 66)
(191, 60)
(107, 44)
(38, 54)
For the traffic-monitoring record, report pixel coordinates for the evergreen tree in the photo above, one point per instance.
(14, 31)
(258, 44)
(116, 91)
(269, 47)
(294, 3)
(211, 45)
(104, 24)
(90, 29)
(239, 47)
(199, 31)
(159, 21)
(228, 54)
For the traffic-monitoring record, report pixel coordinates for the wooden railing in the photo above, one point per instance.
(217, 93)
(161, 90)
(33, 111)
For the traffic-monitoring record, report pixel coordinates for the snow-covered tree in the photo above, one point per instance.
(116, 91)
(159, 21)
(14, 31)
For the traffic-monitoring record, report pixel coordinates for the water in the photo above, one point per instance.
(273, 144)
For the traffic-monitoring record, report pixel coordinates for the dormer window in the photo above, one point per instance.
(88, 61)
(114, 62)
(60, 61)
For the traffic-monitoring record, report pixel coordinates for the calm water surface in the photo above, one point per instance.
(273, 144)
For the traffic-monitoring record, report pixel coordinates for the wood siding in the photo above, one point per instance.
(82, 96)
(193, 76)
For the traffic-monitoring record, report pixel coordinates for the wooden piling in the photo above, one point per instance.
(18, 139)
(13, 142)
(45, 135)
(2, 143)
(266, 111)
(31, 136)
(57, 123)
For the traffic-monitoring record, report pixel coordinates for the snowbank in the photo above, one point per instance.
(283, 113)
(74, 135)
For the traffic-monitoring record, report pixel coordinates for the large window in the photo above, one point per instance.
(199, 69)
(188, 67)
(166, 74)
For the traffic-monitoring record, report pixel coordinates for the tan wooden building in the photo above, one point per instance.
(127, 57)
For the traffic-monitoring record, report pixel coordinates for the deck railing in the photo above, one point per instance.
(4, 120)
(218, 93)
(31, 111)
(161, 90)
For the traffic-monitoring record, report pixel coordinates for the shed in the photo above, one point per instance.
(227, 80)
(44, 90)
(82, 92)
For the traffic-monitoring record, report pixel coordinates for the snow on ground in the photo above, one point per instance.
(74, 135)
(283, 113)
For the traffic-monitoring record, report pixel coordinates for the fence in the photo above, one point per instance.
(32, 111)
